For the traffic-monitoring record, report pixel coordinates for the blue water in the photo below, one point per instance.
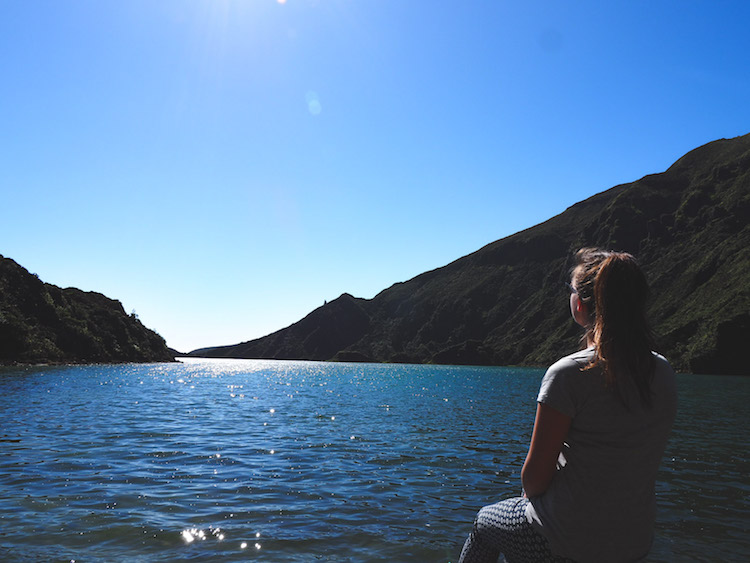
(242, 460)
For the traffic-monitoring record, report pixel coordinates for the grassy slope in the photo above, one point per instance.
(505, 304)
(42, 323)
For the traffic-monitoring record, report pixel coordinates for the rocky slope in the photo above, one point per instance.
(42, 323)
(506, 303)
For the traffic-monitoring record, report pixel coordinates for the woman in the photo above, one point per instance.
(602, 422)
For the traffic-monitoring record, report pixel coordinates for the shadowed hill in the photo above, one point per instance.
(319, 336)
(42, 323)
(506, 303)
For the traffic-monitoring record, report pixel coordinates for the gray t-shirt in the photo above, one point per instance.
(601, 504)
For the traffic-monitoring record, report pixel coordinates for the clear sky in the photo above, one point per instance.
(222, 167)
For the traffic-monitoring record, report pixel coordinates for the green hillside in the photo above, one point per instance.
(42, 323)
(506, 303)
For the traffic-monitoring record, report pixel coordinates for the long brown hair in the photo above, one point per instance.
(615, 291)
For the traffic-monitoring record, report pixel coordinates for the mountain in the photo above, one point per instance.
(506, 303)
(42, 323)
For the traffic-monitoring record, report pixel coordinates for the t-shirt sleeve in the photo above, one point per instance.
(556, 389)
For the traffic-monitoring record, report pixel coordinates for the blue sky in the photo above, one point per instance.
(222, 167)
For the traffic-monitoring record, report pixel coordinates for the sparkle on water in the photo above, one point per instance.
(222, 459)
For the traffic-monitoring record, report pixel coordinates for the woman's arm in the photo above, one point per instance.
(550, 429)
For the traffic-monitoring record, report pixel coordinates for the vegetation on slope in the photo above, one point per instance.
(506, 304)
(42, 323)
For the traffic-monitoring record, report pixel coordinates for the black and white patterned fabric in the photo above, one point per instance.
(503, 528)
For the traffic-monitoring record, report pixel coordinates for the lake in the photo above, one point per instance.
(254, 460)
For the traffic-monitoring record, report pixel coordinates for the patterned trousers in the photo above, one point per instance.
(503, 528)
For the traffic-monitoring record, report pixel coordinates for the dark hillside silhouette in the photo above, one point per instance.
(42, 323)
(506, 303)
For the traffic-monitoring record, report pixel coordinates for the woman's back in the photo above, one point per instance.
(601, 426)
(600, 506)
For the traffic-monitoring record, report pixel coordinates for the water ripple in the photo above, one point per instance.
(300, 461)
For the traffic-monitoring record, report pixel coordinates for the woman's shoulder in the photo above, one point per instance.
(662, 367)
(573, 362)
(566, 383)
(664, 374)
(661, 360)
(571, 369)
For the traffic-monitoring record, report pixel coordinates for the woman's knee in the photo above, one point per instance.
(488, 517)
(507, 514)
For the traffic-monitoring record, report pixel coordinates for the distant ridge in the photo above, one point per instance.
(42, 323)
(505, 304)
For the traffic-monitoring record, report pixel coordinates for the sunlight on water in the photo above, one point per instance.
(191, 534)
(191, 461)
